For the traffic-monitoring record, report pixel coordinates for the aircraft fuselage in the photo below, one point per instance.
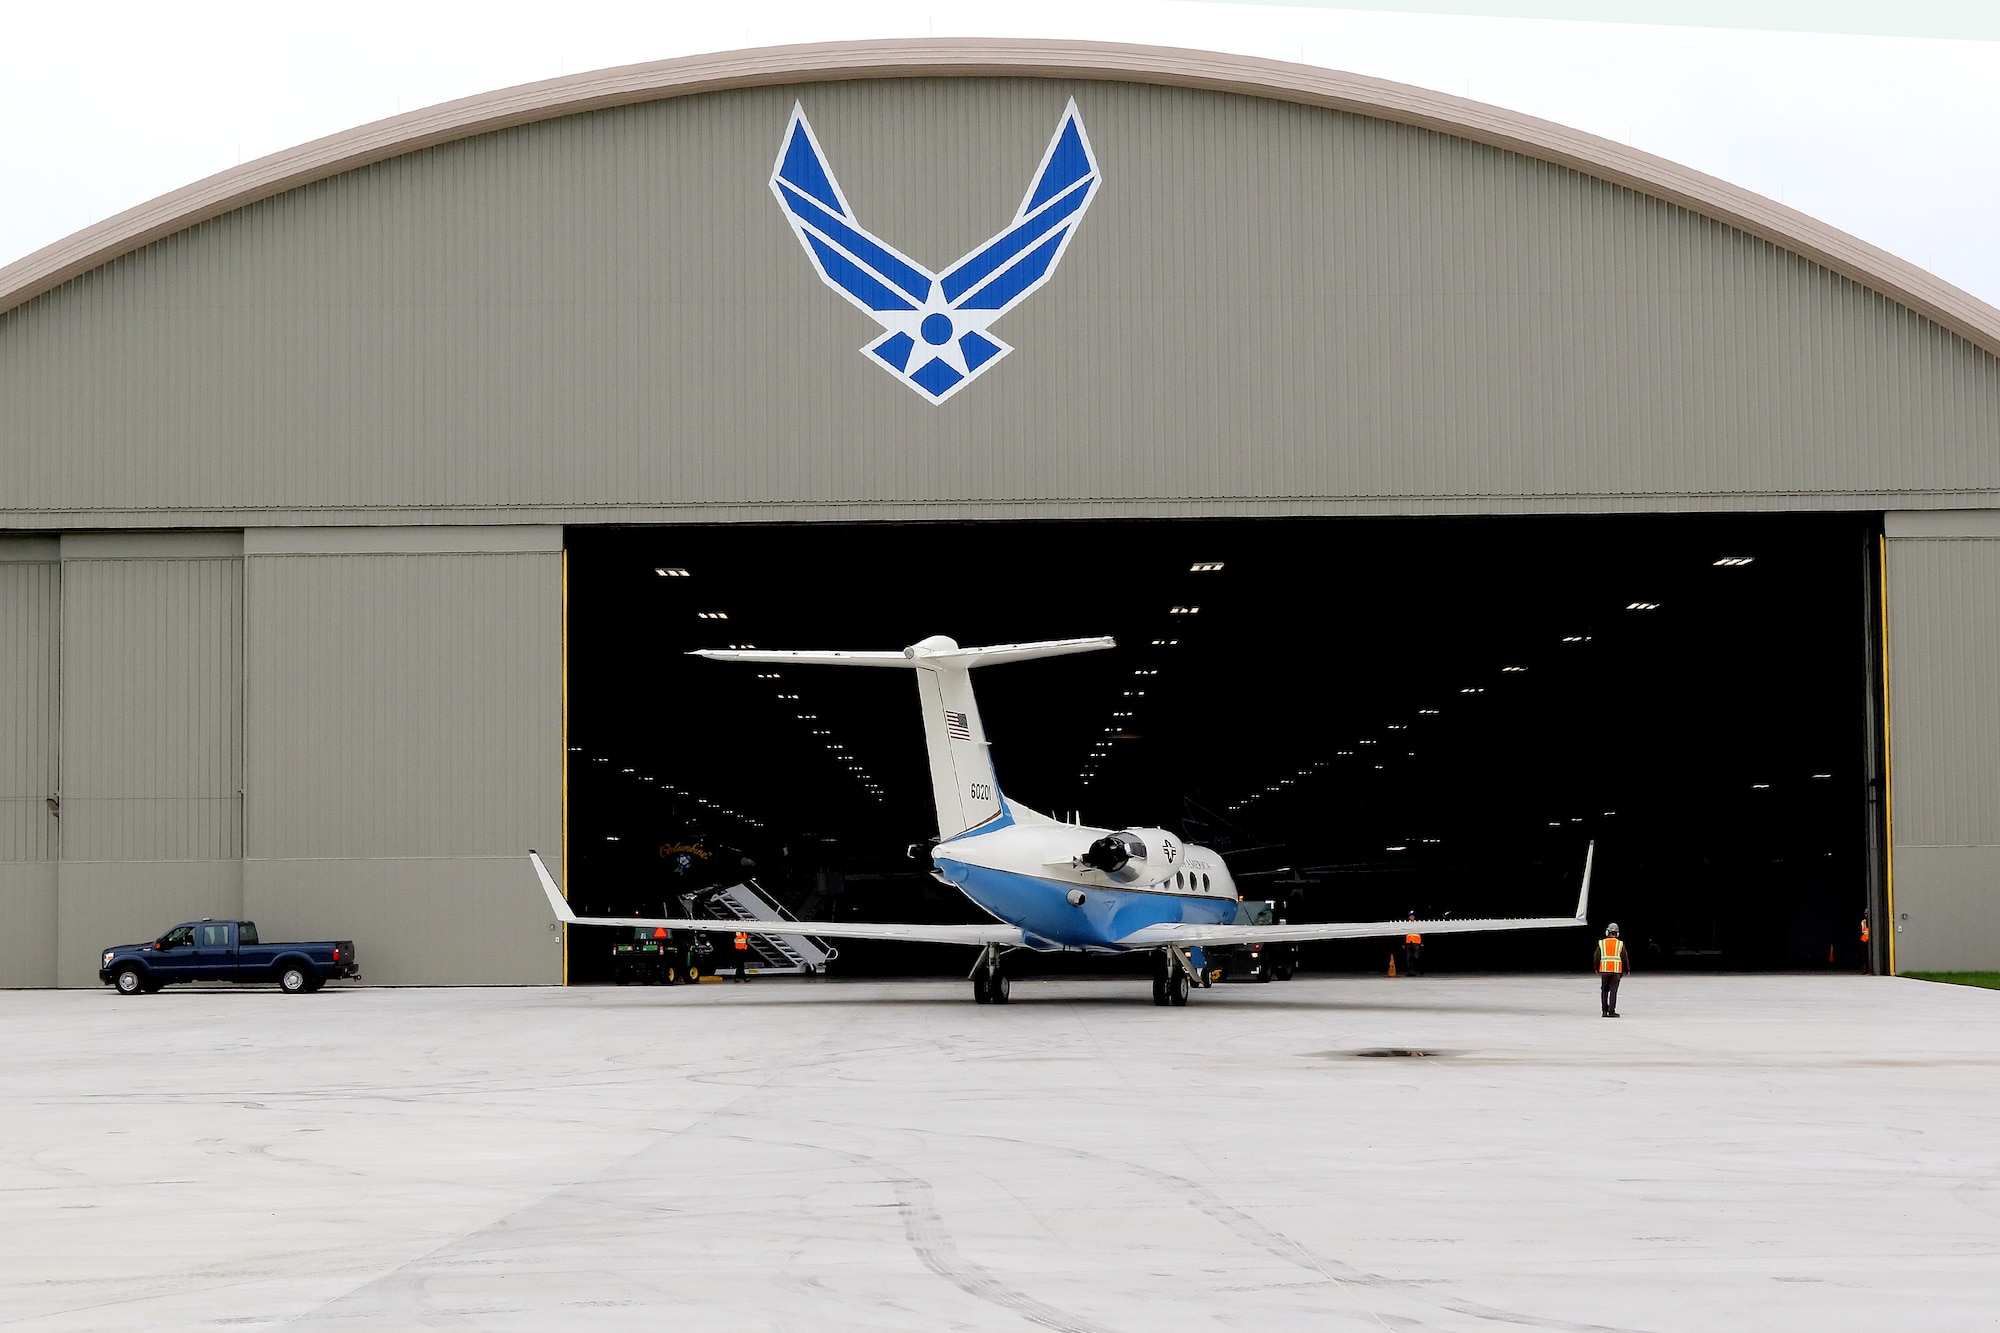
(1027, 874)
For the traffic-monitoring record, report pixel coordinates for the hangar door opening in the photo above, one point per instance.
(1366, 717)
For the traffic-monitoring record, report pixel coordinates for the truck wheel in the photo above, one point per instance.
(1285, 971)
(292, 980)
(694, 973)
(673, 975)
(130, 981)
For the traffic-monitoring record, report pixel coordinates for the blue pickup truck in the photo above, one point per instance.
(225, 951)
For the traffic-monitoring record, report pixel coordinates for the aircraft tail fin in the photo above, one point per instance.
(962, 781)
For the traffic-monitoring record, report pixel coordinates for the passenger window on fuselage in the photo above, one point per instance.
(214, 937)
(247, 933)
(1204, 882)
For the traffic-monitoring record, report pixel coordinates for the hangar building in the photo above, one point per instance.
(1460, 487)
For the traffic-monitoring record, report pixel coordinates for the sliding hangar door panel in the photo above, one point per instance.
(1944, 738)
(405, 707)
(30, 642)
(151, 741)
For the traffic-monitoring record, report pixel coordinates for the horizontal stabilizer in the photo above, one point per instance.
(995, 933)
(931, 653)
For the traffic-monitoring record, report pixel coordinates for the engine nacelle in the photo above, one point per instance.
(1130, 855)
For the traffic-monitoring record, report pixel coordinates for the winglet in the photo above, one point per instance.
(557, 903)
(1583, 898)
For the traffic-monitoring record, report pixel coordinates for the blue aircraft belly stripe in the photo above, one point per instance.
(1041, 908)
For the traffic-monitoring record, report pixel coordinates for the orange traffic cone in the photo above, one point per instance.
(1392, 964)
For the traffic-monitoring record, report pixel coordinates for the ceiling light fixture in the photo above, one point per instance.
(1736, 560)
(671, 572)
(1204, 566)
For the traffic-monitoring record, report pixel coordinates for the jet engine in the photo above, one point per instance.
(1123, 856)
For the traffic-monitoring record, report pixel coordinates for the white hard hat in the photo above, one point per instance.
(1611, 929)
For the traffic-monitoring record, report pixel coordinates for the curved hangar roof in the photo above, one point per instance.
(1156, 281)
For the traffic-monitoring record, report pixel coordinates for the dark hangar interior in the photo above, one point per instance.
(1365, 716)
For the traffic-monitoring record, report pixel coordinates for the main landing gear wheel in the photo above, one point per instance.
(982, 990)
(998, 988)
(1159, 990)
(1177, 989)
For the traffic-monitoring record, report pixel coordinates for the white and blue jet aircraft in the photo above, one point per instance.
(1049, 885)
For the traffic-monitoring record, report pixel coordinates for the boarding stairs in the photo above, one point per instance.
(798, 955)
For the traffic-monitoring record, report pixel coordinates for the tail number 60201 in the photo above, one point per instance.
(981, 792)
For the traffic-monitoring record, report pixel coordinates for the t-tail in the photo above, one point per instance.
(962, 781)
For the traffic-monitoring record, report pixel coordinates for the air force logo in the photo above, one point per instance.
(936, 328)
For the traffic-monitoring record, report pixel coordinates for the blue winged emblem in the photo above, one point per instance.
(937, 328)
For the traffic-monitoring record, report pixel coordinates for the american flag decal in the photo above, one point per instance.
(954, 725)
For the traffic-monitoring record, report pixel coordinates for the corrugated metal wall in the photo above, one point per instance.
(152, 700)
(151, 738)
(1268, 308)
(30, 644)
(405, 702)
(1944, 697)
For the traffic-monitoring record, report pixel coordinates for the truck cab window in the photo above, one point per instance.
(215, 937)
(246, 933)
(178, 938)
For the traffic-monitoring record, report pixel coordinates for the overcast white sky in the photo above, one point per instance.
(105, 105)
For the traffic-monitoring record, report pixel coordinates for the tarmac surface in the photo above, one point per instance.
(1805, 1152)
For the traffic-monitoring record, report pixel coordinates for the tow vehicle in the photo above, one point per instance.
(1259, 960)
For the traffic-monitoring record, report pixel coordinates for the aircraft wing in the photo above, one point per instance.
(1184, 934)
(995, 933)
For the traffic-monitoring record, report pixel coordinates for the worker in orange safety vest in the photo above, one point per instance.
(1867, 954)
(742, 955)
(1611, 963)
(1413, 950)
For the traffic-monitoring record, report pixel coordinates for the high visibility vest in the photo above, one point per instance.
(1611, 954)
(1864, 930)
(742, 939)
(1413, 938)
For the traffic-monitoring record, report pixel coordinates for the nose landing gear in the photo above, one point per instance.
(1173, 977)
